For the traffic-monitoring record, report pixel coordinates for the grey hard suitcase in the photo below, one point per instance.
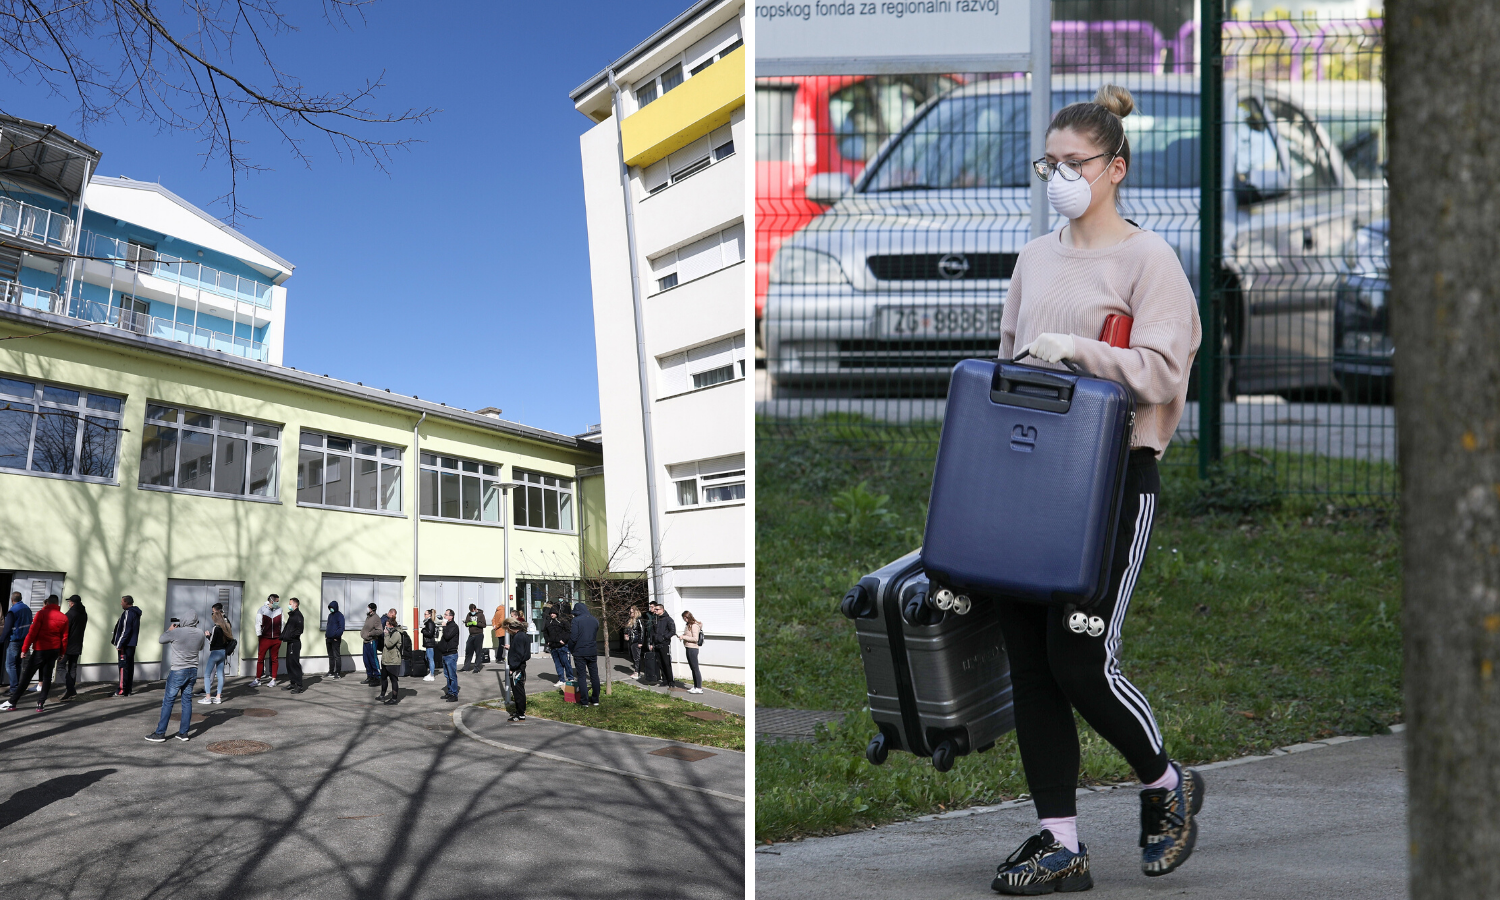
(938, 680)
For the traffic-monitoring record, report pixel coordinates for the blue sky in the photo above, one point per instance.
(463, 275)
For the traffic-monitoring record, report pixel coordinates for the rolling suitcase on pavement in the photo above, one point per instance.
(938, 681)
(650, 667)
(1027, 487)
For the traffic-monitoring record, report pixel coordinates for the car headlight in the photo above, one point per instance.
(801, 265)
(1369, 253)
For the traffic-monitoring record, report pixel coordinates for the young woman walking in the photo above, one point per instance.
(1064, 286)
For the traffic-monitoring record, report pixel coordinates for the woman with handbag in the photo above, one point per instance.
(1064, 286)
(221, 643)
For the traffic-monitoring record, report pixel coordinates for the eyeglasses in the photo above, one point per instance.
(1070, 169)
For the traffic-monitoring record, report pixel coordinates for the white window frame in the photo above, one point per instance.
(676, 167)
(256, 434)
(701, 476)
(383, 455)
(486, 473)
(86, 415)
(561, 485)
(677, 373)
(722, 42)
(664, 266)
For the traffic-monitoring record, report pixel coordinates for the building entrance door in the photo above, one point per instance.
(35, 587)
(187, 600)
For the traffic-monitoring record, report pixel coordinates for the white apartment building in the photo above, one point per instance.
(664, 184)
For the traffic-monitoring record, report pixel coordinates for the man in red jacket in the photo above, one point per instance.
(46, 640)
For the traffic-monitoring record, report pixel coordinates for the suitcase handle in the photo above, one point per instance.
(1031, 388)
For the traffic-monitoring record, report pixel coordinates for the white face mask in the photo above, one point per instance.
(1072, 198)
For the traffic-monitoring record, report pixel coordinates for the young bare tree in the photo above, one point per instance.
(1443, 93)
(615, 593)
(205, 68)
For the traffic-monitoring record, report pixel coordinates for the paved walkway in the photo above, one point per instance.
(1327, 823)
(353, 799)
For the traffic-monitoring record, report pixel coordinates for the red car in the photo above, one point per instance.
(814, 125)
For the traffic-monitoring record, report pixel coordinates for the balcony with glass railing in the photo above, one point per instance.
(128, 320)
(176, 270)
(33, 223)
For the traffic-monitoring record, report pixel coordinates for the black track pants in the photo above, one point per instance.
(1055, 670)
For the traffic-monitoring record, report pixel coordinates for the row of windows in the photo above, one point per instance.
(702, 257)
(690, 160)
(709, 481)
(698, 57)
(701, 367)
(63, 431)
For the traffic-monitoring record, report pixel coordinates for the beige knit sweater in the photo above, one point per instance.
(1062, 289)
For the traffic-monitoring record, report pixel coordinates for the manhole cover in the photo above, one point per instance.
(255, 713)
(706, 716)
(239, 748)
(686, 754)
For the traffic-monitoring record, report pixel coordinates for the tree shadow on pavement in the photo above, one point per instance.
(25, 802)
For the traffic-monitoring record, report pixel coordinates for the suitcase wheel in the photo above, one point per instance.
(878, 750)
(962, 604)
(943, 599)
(943, 756)
(917, 611)
(858, 604)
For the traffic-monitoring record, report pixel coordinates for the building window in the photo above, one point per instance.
(701, 367)
(347, 473)
(690, 160)
(58, 431)
(543, 501)
(459, 489)
(702, 257)
(717, 56)
(206, 453)
(709, 482)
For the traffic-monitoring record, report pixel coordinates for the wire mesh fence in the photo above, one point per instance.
(891, 210)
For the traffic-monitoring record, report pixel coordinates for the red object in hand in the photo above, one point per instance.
(1116, 331)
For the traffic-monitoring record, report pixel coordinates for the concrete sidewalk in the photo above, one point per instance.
(1327, 823)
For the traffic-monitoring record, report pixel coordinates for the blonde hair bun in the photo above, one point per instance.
(1116, 99)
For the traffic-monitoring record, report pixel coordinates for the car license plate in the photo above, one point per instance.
(940, 321)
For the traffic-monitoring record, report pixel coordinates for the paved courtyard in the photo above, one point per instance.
(356, 799)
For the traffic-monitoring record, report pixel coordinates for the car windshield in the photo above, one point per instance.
(983, 141)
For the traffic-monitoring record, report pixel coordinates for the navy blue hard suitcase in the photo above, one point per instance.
(1027, 487)
(938, 681)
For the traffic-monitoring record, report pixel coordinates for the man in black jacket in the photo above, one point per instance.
(557, 634)
(583, 640)
(291, 636)
(659, 641)
(475, 622)
(127, 631)
(447, 648)
(78, 620)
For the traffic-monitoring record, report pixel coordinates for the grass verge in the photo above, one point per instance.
(635, 711)
(726, 687)
(1269, 624)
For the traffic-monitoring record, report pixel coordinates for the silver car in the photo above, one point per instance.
(906, 274)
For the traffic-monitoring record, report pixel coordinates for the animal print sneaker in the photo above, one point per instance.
(1168, 830)
(1043, 865)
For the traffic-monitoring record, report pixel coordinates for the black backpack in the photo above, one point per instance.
(405, 644)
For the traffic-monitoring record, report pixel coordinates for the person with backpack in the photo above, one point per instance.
(583, 642)
(368, 634)
(44, 642)
(127, 632)
(1064, 287)
(474, 644)
(333, 639)
(221, 643)
(429, 644)
(395, 643)
(78, 621)
(557, 635)
(17, 622)
(515, 660)
(291, 635)
(692, 642)
(447, 649)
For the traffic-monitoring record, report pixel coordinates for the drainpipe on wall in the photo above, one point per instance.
(510, 589)
(77, 238)
(416, 518)
(640, 351)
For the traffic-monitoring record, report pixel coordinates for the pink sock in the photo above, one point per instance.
(1168, 781)
(1065, 830)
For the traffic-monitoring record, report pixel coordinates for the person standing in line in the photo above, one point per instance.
(185, 643)
(17, 621)
(692, 642)
(631, 634)
(333, 639)
(127, 631)
(557, 635)
(78, 620)
(475, 622)
(268, 630)
(429, 643)
(447, 648)
(519, 643)
(291, 635)
(583, 641)
(663, 629)
(368, 634)
(45, 640)
(391, 638)
(220, 636)
(497, 628)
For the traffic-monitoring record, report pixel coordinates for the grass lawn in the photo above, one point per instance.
(1247, 631)
(636, 711)
(726, 687)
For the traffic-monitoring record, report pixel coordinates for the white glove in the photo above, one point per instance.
(1051, 347)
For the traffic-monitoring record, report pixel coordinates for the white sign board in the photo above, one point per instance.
(879, 37)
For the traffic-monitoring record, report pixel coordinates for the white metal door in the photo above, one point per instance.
(189, 599)
(36, 586)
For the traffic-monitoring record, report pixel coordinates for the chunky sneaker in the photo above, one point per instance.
(1168, 830)
(156, 738)
(1043, 865)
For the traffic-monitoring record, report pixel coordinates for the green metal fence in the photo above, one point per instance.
(890, 210)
